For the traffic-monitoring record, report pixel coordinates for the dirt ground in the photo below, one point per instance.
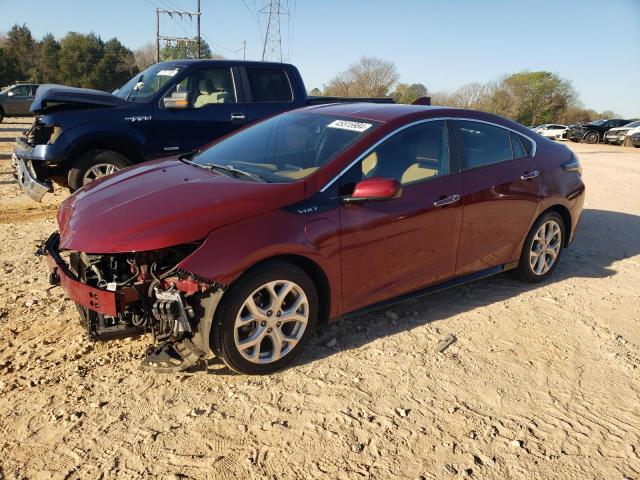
(543, 381)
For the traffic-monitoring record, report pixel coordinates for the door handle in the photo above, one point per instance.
(446, 201)
(238, 118)
(530, 175)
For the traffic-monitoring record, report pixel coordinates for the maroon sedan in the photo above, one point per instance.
(242, 248)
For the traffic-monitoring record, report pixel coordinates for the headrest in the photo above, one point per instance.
(205, 86)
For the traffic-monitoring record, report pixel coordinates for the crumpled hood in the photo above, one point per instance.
(52, 93)
(161, 204)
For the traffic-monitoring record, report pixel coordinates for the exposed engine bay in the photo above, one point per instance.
(152, 295)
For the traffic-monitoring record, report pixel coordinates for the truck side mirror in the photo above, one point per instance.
(176, 101)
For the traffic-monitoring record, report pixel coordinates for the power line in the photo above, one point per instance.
(182, 14)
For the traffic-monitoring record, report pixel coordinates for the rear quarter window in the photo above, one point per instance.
(269, 85)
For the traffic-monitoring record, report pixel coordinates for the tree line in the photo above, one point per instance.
(80, 59)
(85, 60)
(530, 98)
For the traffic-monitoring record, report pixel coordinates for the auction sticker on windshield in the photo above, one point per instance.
(346, 125)
(167, 73)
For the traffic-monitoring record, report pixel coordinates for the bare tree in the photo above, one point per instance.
(369, 77)
(145, 56)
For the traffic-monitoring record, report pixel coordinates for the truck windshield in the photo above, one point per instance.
(286, 148)
(143, 86)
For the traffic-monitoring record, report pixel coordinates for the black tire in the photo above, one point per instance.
(223, 335)
(90, 159)
(524, 271)
(591, 137)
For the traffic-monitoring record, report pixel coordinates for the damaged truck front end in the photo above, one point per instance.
(129, 294)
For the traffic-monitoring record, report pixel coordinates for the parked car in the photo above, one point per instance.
(618, 136)
(243, 247)
(172, 107)
(634, 139)
(552, 130)
(594, 132)
(16, 100)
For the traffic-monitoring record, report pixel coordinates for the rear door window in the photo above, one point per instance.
(269, 85)
(483, 144)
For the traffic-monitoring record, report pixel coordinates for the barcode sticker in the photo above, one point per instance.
(167, 73)
(353, 126)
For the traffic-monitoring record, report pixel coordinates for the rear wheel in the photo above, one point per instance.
(266, 319)
(591, 137)
(542, 249)
(93, 165)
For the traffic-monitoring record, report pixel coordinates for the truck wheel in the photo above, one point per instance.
(591, 137)
(95, 164)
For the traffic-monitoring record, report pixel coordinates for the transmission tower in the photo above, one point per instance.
(178, 13)
(272, 47)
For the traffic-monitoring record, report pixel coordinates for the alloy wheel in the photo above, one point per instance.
(97, 171)
(271, 321)
(545, 247)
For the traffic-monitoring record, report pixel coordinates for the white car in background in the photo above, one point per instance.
(618, 135)
(552, 130)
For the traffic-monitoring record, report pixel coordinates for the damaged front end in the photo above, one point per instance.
(129, 294)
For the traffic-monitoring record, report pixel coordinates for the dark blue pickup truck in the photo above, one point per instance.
(170, 108)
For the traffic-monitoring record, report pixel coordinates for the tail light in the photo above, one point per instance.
(573, 165)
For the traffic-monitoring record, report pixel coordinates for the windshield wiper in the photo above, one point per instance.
(225, 168)
(232, 169)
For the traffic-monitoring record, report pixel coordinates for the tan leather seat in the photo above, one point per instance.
(208, 94)
(369, 163)
(417, 172)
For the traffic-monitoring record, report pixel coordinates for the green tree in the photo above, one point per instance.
(115, 67)
(369, 77)
(182, 49)
(405, 93)
(539, 97)
(47, 55)
(79, 56)
(18, 50)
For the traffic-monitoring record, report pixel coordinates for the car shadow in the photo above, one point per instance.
(13, 129)
(603, 238)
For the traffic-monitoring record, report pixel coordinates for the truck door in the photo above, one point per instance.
(211, 111)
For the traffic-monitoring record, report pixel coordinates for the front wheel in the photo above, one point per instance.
(542, 249)
(591, 137)
(93, 165)
(266, 319)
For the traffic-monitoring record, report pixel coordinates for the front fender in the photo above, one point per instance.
(77, 138)
(231, 250)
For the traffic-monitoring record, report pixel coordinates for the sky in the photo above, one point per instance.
(441, 43)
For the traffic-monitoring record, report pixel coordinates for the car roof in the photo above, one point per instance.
(380, 112)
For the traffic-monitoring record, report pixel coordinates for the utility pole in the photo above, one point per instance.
(179, 13)
(272, 46)
(244, 49)
(198, 29)
(157, 36)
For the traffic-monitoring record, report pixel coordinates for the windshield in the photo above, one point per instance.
(143, 86)
(598, 122)
(288, 147)
(632, 125)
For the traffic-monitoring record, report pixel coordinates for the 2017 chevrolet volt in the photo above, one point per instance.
(241, 248)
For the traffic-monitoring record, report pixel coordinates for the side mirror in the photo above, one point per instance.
(374, 189)
(177, 101)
